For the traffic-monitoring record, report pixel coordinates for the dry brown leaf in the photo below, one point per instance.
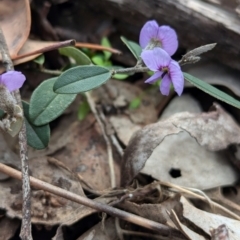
(202, 127)
(15, 22)
(47, 209)
(101, 231)
(8, 228)
(82, 148)
(156, 212)
(118, 95)
(81, 212)
(190, 235)
(208, 221)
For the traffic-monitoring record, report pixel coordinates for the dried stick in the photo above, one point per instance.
(26, 233)
(112, 136)
(149, 224)
(109, 147)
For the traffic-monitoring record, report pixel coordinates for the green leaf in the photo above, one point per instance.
(119, 76)
(37, 137)
(46, 105)
(212, 90)
(80, 57)
(40, 59)
(81, 79)
(133, 47)
(83, 110)
(98, 60)
(135, 103)
(105, 42)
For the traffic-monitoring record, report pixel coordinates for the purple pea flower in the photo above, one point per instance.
(164, 37)
(12, 80)
(164, 67)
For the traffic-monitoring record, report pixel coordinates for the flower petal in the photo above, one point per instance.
(176, 77)
(13, 80)
(168, 38)
(165, 85)
(155, 59)
(157, 75)
(148, 31)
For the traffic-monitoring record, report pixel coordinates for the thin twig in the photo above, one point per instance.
(191, 193)
(130, 70)
(109, 147)
(97, 47)
(112, 135)
(26, 232)
(41, 185)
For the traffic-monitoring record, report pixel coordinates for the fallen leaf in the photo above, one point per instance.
(101, 232)
(203, 128)
(156, 212)
(206, 222)
(116, 96)
(185, 230)
(81, 147)
(8, 227)
(15, 22)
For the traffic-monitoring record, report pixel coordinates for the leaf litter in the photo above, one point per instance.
(163, 169)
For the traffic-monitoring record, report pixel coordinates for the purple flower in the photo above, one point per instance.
(12, 80)
(164, 37)
(164, 67)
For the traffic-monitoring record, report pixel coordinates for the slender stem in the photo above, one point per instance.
(115, 212)
(26, 231)
(49, 71)
(108, 143)
(130, 70)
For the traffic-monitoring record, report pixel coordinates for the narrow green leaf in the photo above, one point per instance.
(212, 90)
(37, 137)
(80, 57)
(135, 103)
(105, 42)
(133, 47)
(40, 59)
(81, 79)
(83, 110)
(46, 105)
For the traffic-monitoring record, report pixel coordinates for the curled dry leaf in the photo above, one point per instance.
(204, 128)
(15, 22)
(156, 212)
(206, 222)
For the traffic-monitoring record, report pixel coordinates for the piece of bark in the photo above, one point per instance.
(196, 22)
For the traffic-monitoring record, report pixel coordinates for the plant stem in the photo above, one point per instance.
(130, 70)
(26, 232)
